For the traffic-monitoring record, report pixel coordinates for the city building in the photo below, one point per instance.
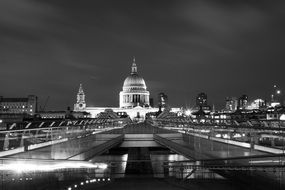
(276, 97)
(231, 104)
(256, 104)
(201, 104)
(63, 114)
(162, 100)
(134, 91)
(80, 104)
(151, 102)
(134, 99)
(275, 113)
(26, 105)
(242, 102)
(201, 100)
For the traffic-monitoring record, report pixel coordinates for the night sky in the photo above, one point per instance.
(223, 48)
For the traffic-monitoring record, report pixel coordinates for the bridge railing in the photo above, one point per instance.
(226, 123)
(266, 139)
(22, 136)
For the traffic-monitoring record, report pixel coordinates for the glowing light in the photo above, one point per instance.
(187, 112)
(69, 188)
(75, 186)
(265, 161)
(226, 136)
(218, 135)
(237, 135)
(81, 183)
(282, 117)
(103, 166)
(278, 91)
(27, 167)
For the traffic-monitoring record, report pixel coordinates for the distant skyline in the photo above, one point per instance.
(223, 48)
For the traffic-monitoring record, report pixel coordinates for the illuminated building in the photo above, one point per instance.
(256, 104)
(134, 90)
(133, 99)
(275, 113)
(63, 114)
(231, 104)
(276, 98)
(80, 105)
(26, 105)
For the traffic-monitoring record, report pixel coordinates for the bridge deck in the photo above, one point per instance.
(198, 148)
(75, 149)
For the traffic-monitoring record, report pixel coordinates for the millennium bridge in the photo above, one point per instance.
(163, 153)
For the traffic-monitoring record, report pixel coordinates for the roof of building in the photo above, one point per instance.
(134, 81)
(14, 99)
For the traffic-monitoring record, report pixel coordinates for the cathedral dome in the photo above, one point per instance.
(134, 82)
(134, 90)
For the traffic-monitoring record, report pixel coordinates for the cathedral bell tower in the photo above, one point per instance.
(80, 103)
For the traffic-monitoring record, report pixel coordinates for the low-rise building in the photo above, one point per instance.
(26, 105)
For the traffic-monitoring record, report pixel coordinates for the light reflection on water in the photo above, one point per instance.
(116, 165)
(157, 161)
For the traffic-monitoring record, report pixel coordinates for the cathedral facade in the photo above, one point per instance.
(133, 99)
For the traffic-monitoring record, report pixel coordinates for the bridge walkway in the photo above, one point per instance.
(79, 148)
(197, 148)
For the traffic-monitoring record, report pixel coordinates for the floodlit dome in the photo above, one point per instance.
(134, 82)
(134, 90)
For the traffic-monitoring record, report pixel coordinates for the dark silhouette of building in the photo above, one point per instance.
(242, 101)
(162, 100)
(201, 100)
(151, 103)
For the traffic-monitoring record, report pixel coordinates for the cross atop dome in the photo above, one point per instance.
(134, 67)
